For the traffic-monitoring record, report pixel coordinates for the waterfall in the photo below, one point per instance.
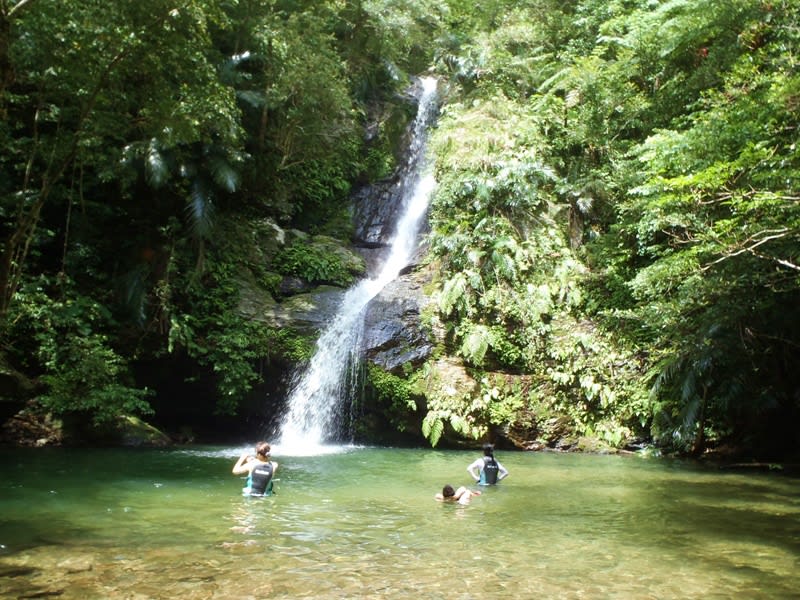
(318, 394)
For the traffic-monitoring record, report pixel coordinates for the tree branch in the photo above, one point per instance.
(17, 7)
(780, 261)
(753, 242)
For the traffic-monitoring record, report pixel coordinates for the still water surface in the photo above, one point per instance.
(362, 523)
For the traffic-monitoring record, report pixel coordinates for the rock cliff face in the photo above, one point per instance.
(393, 332)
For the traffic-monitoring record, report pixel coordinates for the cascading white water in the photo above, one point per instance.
(318, 393)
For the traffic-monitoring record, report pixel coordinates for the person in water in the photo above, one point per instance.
(462, 495)
(487, 470)
(260, 471)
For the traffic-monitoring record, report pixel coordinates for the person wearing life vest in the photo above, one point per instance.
(487, 470)
(260, 471)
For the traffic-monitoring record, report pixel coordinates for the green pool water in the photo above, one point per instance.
(363, 523)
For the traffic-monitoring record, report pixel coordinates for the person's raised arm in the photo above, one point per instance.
(240, 468)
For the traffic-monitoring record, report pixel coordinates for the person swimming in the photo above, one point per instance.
(260, 471)
(461, 495)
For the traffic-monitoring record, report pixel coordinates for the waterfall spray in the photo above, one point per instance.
(318, 393)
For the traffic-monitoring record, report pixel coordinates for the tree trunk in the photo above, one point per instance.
(6, 68)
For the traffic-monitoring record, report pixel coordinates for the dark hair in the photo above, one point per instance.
(488, 450)
(448, 491)
(262, 448)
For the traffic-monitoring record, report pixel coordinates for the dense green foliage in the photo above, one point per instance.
(618, 212)
(616, 225)
(137, 138)
(318, 262)
(394, 396)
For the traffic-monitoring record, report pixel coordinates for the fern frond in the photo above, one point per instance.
(453, 292)
(476, 344)
(459, 424)
(432, 428)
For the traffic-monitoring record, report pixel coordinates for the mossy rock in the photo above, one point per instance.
(351, 261)
(125, 430)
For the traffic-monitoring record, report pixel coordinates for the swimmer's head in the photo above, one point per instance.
(262, 449)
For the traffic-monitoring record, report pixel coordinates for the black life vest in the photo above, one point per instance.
(490, 470)
(260, 479)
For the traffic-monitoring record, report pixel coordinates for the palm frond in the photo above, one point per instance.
(155, 165)
(252, 98)
(200, 210)
(223, 174)
(134, 292)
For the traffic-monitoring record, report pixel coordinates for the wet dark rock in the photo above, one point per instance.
(306, 312)
(393, 333)
(302, 305)
(291, 286)
(375, 210)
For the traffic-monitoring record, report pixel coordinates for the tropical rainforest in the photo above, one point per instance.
(615, 231)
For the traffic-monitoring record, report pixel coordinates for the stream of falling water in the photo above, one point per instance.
(318, 393)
